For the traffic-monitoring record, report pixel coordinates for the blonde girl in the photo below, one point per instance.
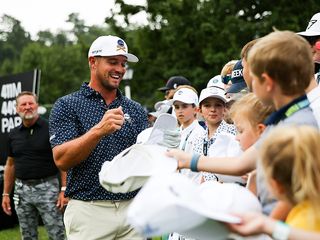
(248, 114)
(291, 162)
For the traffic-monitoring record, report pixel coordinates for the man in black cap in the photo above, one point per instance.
(172, 84)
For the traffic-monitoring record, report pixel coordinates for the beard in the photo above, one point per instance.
(108, 83)
(27, 116)
(109, 86)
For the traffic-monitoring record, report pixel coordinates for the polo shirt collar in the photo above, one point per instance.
(39, 122)
(279, 115)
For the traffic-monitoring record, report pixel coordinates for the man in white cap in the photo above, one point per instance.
(312, 35)
(89, 127)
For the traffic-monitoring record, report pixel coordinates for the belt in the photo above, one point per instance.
(36, 181)
(103, 201)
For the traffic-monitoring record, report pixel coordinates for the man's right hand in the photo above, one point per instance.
(6, 205)
(112, 121)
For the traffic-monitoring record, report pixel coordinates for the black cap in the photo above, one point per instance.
(174, 82)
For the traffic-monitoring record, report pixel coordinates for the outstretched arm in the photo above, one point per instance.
(256, 223)
(222, 165)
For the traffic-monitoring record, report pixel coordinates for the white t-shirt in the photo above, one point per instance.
(188, 137)
(314, 99)
(189, 134)
(222, 144)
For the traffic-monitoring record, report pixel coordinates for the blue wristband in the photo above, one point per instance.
(194, 162)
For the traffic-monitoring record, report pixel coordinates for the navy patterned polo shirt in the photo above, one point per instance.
(72, 116)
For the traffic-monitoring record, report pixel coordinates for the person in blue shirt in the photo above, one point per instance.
(89, 127)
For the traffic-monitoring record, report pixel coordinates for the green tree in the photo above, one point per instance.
(63, 68)
(47, 38)
(13, 38)
(61, 57)
(195, 38)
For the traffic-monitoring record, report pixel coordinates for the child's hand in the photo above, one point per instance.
(182, 157)
(252, 223)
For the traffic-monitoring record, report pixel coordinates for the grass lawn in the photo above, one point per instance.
(14, 234)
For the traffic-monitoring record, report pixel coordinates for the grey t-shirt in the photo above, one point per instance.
(303, 116)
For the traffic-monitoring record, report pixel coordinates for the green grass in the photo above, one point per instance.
(14, 234)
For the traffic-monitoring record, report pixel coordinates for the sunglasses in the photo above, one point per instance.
(226, 79)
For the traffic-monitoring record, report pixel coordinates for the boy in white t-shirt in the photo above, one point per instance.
(185, 102)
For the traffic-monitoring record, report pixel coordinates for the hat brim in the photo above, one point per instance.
(185, 100)
(309, 33)
(214, 96)
(184, 205)
(146, 165)
(163, 89)
(141, 166)
(154, 114)
(237, 87)
(165, 121)
(131, 57)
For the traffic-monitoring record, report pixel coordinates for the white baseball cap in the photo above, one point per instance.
(155, 134)
(174, 203)
(213, 92)
(224, 198)
(161, 107)
(165, 122)
(186, 95)
(313, 28)
(235, 198)
(130, 169)
(216, 81)
(108, 46)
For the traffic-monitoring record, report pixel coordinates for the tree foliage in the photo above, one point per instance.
(63, 62)
(194, 38)
(13, 38)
